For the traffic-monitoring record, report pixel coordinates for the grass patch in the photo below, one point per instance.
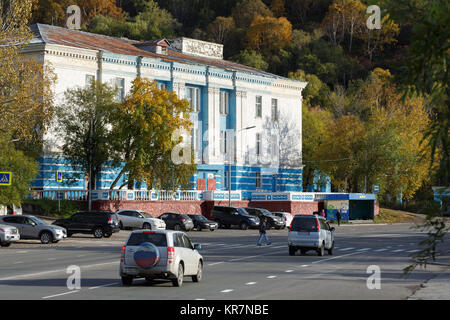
(393, 216)
(49, 208)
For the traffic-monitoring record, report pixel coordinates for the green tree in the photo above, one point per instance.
(252, 59)
(83, 127)
(23, 168)
(245, 12)
(142, 136)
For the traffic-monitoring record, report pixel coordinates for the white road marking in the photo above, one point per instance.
(289, 271)
(344, 255)
(213, 264)
(277, 247)
(22, 251)
(200, 299)
(398, 250)
(81, 255)
(105, 285)
(30, 275)
(346, 249)
(60, 294)
(17, 262)
(304, 265)
(363, 249)
(259, 255)
(411, 251)
(271, 277)
(250, 283)
(379, 250)
(227, 290)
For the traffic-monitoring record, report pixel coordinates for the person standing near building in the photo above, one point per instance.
(338, 217)
(322, 213)
(262, 232)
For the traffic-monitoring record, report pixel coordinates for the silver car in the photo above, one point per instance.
(310, 232)
(160, 254)
(31, 227)
(8, 234)
(136, 219)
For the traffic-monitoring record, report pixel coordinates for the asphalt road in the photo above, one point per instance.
(235, 268)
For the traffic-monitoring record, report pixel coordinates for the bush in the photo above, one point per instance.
(49, 208)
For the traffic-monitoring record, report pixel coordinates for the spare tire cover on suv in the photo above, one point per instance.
(147, 255)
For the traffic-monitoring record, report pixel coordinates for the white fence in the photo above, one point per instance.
(141, 195)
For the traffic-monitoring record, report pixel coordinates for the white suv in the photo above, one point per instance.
(136, 219)
(8, 234)
(160, 254)
(310, 232)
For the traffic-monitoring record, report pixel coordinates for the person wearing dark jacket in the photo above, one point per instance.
(262, 232)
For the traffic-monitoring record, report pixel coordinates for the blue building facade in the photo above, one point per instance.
(235, 108)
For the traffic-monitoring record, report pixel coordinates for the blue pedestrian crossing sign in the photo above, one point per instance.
(376, 188)
(5, 178)
(59, 177)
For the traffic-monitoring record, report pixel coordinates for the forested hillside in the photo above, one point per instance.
(376, 106)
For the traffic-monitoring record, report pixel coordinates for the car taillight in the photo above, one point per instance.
(110, 220)
(3, 230)
(317, 224)
(170, 254)
(183, 219)
(123, 253)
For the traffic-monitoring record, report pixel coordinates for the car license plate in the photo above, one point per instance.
(303, 233)
(131, 270)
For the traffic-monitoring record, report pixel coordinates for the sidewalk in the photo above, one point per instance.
(437, 288)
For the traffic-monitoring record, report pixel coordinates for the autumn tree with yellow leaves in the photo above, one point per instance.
(26, 100)
(146, 128)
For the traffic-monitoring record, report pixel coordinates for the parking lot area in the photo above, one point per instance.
(234, 267)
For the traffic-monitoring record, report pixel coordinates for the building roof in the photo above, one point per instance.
(73, 38)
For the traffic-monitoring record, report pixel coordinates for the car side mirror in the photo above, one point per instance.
(197, 246)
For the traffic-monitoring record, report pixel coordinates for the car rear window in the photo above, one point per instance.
(158, 239)
(304, 224)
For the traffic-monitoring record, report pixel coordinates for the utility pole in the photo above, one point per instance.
(90, 165)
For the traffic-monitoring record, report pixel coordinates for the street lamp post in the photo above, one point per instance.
(229, 163)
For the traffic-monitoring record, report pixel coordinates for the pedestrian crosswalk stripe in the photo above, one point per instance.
(346, 249)
(379, 250)
(411, 251)
(399, 250)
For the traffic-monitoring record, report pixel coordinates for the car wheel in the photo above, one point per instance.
(321, 250)
(147, 226)
(55, 241)
(330, 251)
(178, 281)
(177, 227)
(199, 274)
(243, 226)
(98, 233)
(121, 225)
(46, 237)
(199, 228)
(5, 244)
(292, 250)
(127, 280)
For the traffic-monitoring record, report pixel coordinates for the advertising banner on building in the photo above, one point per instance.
(333, 206)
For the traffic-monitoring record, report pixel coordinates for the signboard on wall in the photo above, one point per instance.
(333, 206)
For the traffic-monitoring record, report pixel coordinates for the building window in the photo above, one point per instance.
(224, 96)
(258, 144)
(193, 96)
(163, 50)
(161, 86)
(120, 86)
(258, 107)
(274, 109)
(223, 142)
(89, 79)
(225, 179)
(258, 180)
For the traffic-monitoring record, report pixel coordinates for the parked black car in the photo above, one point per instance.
(99, 223)
(228, 216)
(201, 222)
(177, 221)
(272, 220)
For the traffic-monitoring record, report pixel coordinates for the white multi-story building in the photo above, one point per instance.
(228, 100)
